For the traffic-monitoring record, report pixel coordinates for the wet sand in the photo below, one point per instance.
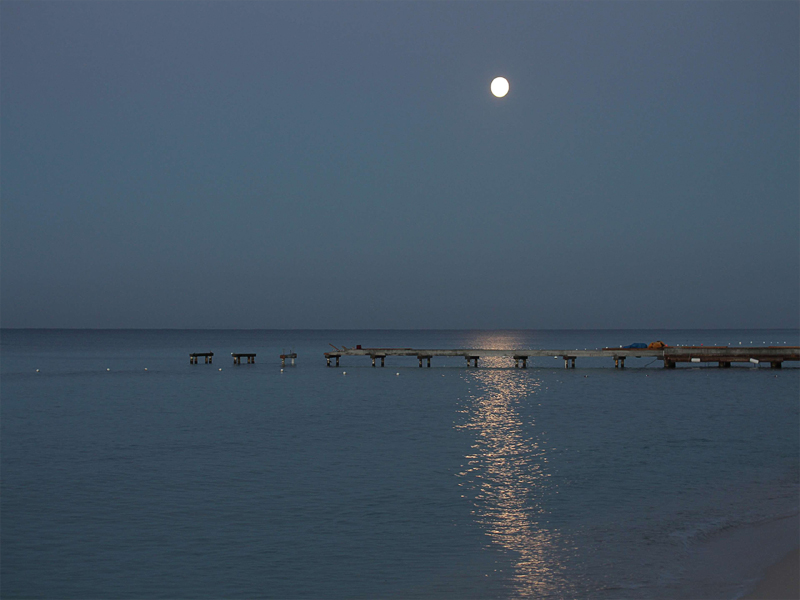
(781, 581)
(734, 562)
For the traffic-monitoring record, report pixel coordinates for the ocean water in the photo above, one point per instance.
(129, 473)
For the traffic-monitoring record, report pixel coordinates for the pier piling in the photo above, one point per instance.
(237, 358)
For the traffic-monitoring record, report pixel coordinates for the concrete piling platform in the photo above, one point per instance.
(237, 358)
(194, 356)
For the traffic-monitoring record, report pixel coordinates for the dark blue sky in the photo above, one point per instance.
(327, 165)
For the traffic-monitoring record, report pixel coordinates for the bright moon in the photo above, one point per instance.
(500, 86)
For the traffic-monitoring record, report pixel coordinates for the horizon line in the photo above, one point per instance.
(397, 329)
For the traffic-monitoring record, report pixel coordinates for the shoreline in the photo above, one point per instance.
(734, 562)
(780, 581)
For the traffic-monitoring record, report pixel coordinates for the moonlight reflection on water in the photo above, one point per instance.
(507, 475)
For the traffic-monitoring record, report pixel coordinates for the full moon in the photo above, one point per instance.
(500, 86)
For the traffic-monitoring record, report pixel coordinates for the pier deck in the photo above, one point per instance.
(671, 355)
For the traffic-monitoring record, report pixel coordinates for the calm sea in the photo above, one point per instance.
(129, 473)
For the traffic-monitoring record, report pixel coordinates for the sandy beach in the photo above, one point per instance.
(781, 580)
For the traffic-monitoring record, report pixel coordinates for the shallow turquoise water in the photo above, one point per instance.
(190, 481)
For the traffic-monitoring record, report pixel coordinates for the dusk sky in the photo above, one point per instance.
(344, 165)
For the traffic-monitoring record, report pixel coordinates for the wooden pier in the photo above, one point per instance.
(193, 357)
(237, 358)
(725, 355)
(290, 356)
(670, 355)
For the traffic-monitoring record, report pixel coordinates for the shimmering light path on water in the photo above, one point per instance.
(187, 481)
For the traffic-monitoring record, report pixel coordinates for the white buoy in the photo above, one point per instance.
(145, 368)
(220, 369)
(398, 374)
(344, 372)
(108, 369)
(281, 370)
(37, 370)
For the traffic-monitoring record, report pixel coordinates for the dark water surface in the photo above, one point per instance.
(211, 481)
